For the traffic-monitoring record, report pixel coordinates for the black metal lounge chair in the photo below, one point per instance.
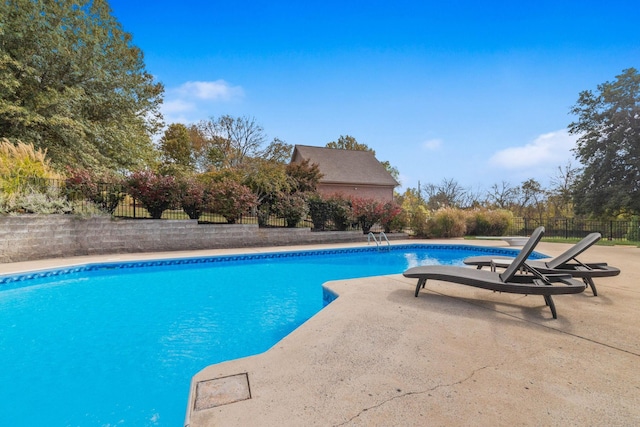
(535, 283)
(562, 264)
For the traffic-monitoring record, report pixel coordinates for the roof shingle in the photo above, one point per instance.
(345, 166)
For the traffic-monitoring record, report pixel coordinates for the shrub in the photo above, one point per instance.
(633, 229)
(263, 213)
(417, 221)
(48, 202)
(230, 199)
(105, 190)
(366, 212)
(335, 208)
(319, 210)
(447, 222)
(399, 223)
(192, 197)
(482, 222)
(20, 165)
(291, 207)
(157, 193)
(340, 212)
(390, 211)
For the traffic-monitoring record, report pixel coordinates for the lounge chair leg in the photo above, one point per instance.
(552, 306)
(421, 283)
(592, 285)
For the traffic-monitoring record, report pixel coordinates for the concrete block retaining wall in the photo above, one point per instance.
(31, 237)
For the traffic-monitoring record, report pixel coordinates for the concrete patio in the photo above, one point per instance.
(378, 356)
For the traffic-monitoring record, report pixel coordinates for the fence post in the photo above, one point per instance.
(134, 208)
(610, 230)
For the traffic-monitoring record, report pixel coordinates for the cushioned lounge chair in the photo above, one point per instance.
(509, 280)
(565, 263)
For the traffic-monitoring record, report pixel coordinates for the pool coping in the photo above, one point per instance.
(17, 277)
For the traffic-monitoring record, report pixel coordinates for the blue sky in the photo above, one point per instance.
(479, 92)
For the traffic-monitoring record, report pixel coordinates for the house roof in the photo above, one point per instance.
(345, 166)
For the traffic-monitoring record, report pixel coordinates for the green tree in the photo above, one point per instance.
(277, 151)
(73, 83)
(266, 179)
(176, 146)
(303, 177)
(347, 142)
(199, 146)
(395, 173)
(608, 130)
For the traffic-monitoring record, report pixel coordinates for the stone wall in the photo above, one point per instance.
(31, 237)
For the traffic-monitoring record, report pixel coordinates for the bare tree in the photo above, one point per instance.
(561, 192)
(503, 195)
(449, 193)
(230, 141)
(532, 199)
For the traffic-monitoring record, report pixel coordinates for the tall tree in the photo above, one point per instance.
(503, 195)
(230, 141)
(176, 146)
(532, 199)
(449, 193)
(277, 151)
(608, 129)
(72, 82)
(303, 177)
(560, 195)
(348, 142)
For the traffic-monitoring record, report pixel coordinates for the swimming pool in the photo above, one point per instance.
(117, 343)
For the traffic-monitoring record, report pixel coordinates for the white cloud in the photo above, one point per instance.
(177, 106)
(549, 149)
(432, 144)
(193, 100)
(218, 90)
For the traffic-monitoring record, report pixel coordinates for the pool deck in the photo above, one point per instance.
(456, 355)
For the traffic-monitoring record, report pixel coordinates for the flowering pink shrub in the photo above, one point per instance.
(366, 212)
(230, 199)
(291, 207)
(192, 197)
(105, 191)
(156, 192)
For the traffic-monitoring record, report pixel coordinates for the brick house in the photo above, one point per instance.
(348, 172)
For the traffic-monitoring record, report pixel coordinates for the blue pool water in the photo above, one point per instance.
(117, 344)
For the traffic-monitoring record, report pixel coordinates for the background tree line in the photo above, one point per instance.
(73, 85)
(606, 185)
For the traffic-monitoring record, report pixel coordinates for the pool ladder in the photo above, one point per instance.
(378, 240)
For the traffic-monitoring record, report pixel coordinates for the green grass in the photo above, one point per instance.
(602, 242)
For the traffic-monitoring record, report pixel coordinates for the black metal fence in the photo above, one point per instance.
(128, 207)
(124, 206)
(567, 228)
